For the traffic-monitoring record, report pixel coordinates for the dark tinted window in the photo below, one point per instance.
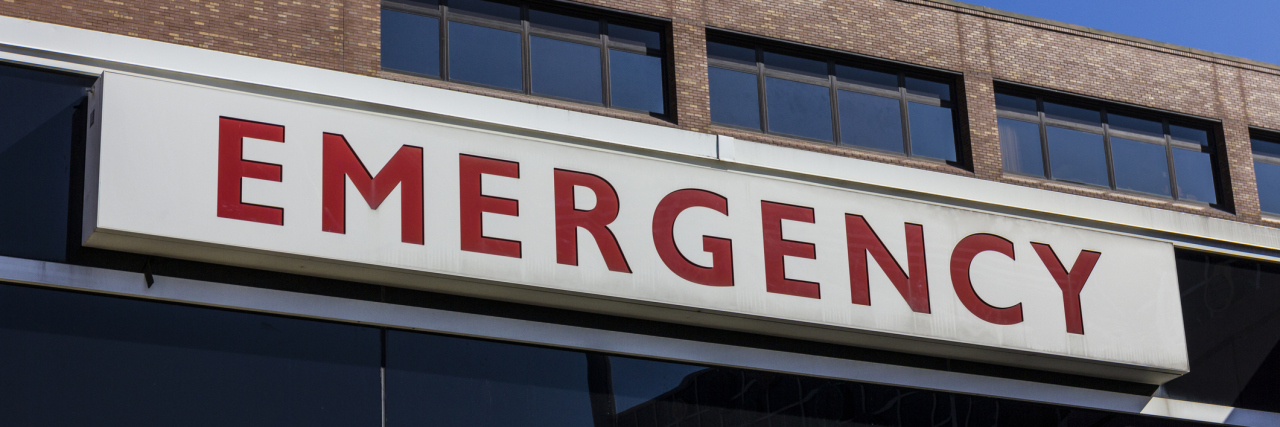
(1135, 151)
(1229, 309)
(800, 109)
(735, 98)
(636, 81)
(624, 34)
(1020, 147)
(484, 55)
(410, 42)
(1077, 156)
(871, 121)
(1266, 169)
(877, 107)
(486, 9)
(566, 69)
(564, 23)
(73, 359)
(41, 119)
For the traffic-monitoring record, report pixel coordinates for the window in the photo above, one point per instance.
(571, 54)
(786, 91)
(1106, 146)
(1266, 168)
(42, 120)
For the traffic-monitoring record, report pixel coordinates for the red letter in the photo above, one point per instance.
(596, 221)
(664, 221)
(862, 239)
(232, 168)
(962, 259)
(404, 169)
(475, 203)
(1071, 283)
(775, 247)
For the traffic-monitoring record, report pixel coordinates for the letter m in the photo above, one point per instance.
(404, 170)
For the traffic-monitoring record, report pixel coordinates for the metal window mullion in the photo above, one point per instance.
(1044, 138)
(1168, 154)
(444, 42)
(605, 82)
(525, 50)
(835, 104)
(760, 87)
(906, 119)
(1106, 146)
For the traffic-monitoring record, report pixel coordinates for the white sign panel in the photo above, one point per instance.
(217, 175)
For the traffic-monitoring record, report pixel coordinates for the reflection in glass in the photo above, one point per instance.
(637, 381)
(870, 121)
(73, 359)
(565, 69)
(1016, 104)
(728, 52)
(624, 34)
(564, 23)
(929, 88)
(735, 98)
(636, 81)
(1135, 125)
(1229, 308)
(1140, 166)
(795, 64)
(434, 380)
(487, 9)
(932, 132)
(39, 119)
(410, 43)
(1265, 147)
(1072, 114)
(1268, 191)
(485, 55)
(1077, 156)
(865, 77)
(799, 109)
(1020, 147)
(1191, 135)
(1195, 176)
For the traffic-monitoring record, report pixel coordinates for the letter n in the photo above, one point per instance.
(862, 240)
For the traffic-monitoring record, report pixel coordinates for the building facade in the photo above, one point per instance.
(629, 213)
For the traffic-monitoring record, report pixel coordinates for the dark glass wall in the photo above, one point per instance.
(41, 119)
(1231, 309)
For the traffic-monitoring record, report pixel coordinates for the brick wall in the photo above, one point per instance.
(984, 46)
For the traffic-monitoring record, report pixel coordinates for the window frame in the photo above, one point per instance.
(834, 85)
(527, 30)
(1105, 110)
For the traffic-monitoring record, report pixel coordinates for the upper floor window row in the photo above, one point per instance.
(1266, 169)
(846, 100)
(1111, 146)
(574, 54)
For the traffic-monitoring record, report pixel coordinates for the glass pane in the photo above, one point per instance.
(410, 43)
(799, 108)
(1077, 156)
(564, 23)
(419, 3)
(1073, 114)
(795, 64)
(1020, 147)
(485, 55)
(735, 98)
(870, 121)
(1135, 125)
(1269, 148)
(1140, 166)
(1229, 308)
(73, 359)
(650, 39)
(636, 81)
(1186, 134)
(932, 132)
(1195, 176)
(39, 119)
(865, 77)
(486, 9)
(444, 381)
(1268, 186)
(929, 88)
(1016, 104)
(565, 69)
(637, 381)
(728, 52)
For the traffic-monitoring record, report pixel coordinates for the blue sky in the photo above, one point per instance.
(1244, 28)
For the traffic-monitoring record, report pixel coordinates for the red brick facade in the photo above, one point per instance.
(982, 45)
